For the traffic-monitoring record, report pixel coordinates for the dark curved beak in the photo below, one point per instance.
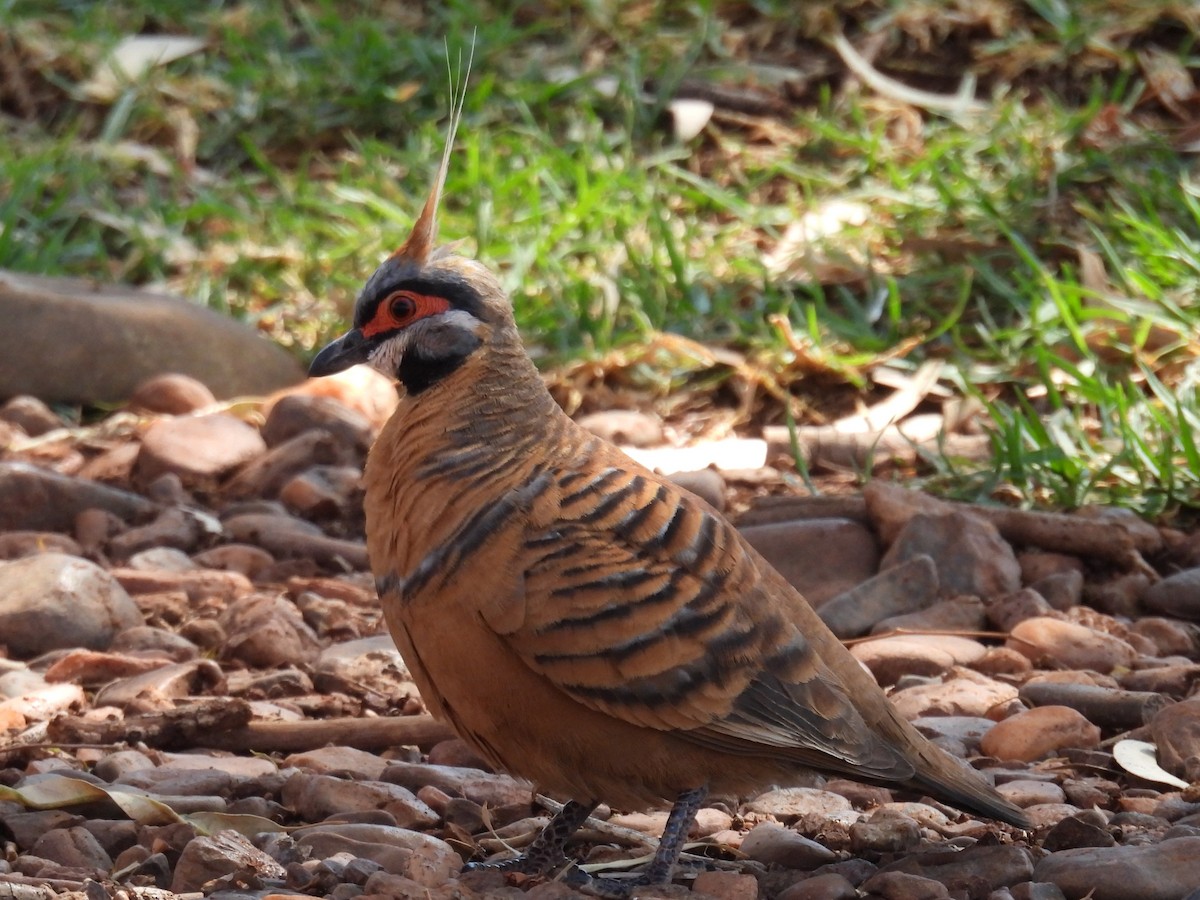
(348, 350)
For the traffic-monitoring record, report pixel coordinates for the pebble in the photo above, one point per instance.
(1167, 870)
(821, 558)
(266, 630)
(342, 760)
(1039, 564)
(1002, 661)
(53, 601)
(199, 586)
(956, 614)
(1121, 595)
(707, 484)
(1032, 734)
(93, 667)
(425, 859)
(1024, 792)
(829, 886)
(18, 544)
(797, 802)
(893, 657)
(119, 763)
(215, 856)
(964, 693)
(75, 846)
(977, 870)
(360, 388)
(1085, 829)
(316, 797)
(323, 492)
(968, 553)
(896, 590)
(198, 449)
(904, 886)
(37, 499)
(171, 393)
(1172, 680)
(1176, 733)
(244, 559)
(173, 528)
(38, 703)
(287, 537)
(28, 827)
(772, 844)
(1006, 612)
(1176, 595)
(966, 730)
(1062, 590)
(1059, 644)
(265, 475)
(146, 639)
(886, 831)
(485, 788)
(295, 414)
(373, 662)
(1170, 637)
(30, 414)
(726, 886)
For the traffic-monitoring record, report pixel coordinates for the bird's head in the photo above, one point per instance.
(425, 310)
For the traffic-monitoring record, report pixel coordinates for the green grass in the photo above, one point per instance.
(267, 175)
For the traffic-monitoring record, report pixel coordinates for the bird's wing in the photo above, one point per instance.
(640, 601)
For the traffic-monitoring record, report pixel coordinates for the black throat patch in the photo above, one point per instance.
(419, 372)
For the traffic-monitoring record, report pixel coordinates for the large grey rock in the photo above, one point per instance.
(75, 341)
(54, 600)
(1162, 871)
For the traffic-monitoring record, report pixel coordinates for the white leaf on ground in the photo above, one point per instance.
(1140, 758)
(132, 58)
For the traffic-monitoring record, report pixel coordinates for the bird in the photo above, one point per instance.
(581, 621)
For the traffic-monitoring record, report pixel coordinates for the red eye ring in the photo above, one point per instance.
(402, 306)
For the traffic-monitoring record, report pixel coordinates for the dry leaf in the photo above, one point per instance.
(133, 58)
(1140, 758)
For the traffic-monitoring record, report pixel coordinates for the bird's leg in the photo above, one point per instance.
(546, 851)
(660, 869)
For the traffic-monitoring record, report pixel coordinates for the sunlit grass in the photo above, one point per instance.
(1053, 265)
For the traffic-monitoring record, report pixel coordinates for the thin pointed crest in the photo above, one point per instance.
(421, 243)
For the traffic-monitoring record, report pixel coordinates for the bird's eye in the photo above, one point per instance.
(402, 307)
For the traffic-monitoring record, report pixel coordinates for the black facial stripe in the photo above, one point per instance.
(452, 288)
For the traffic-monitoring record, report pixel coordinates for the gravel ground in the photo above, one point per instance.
(198, 697)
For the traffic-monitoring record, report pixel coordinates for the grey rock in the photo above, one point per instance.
(820, 557)
(1163, 871)
(32, 415)
(199, 449)
(956, 614)
(218, 855)
(106, 340)
(485, 788)
(266, 630)
(902, 588)
(773, 844)
(56, 601)
(968, 552)
(75, 846)
(976, 871)
(171, 394)
(320, 796)
(295, 414)
(33, 498)
(1177, 595)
